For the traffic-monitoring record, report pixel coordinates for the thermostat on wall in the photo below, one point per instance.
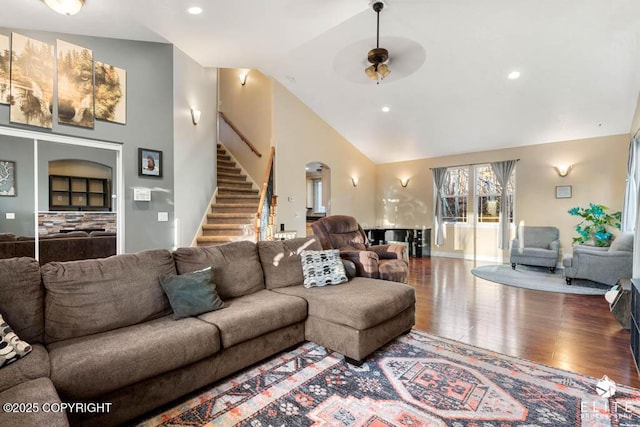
(142, 194)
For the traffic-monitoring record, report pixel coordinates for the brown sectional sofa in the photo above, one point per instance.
(102, 330)
(70, 246)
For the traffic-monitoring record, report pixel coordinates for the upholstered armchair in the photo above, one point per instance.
(388, 262)
(537, 246)
(603, 265)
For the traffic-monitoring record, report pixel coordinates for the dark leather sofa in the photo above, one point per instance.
(70, 246)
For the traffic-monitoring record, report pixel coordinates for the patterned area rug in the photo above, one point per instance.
(538, 279)
(417, 380)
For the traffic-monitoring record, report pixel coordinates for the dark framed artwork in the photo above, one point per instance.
(75, 85)
(8, 178)
(563, 192)
(32, 63)
(149, 162)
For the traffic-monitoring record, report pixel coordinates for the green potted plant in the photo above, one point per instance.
(596, 226)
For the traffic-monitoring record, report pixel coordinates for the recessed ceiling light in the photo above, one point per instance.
(195, 10)
(513, 75)
(385, 109)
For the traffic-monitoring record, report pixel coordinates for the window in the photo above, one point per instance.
(455, 195)
(317, 190)
(488, 199)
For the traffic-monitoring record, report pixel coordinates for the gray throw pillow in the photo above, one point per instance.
(191, 294)
(12, 348)
(322, 268)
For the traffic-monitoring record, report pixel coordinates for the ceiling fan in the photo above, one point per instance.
(378, 56)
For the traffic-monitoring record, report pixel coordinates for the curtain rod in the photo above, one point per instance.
(479, 163)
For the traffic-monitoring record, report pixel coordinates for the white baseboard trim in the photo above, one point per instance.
(470, 257)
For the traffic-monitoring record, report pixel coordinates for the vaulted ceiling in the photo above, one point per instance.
(448, 91)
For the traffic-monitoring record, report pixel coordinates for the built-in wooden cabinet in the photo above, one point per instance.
(76, 193)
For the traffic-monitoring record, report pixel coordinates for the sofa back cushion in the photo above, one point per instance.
(98, 295)
(539, 236)
(281, 260)
(22, 298)
(236, 266)
(623, 242)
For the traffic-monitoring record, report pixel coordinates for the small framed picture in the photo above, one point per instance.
(149, 162)
(8, 178)
(563, 192)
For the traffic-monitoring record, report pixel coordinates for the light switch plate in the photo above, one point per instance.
(163, 216)
(10, 215)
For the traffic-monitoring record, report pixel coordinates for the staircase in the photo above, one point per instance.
(232, 215)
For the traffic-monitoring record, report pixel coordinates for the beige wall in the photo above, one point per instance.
(598, 176)
(635, 123)
(301, 136)
(268, 114)
(249, 108)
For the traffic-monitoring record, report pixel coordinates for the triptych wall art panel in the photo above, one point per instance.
(31, 81)
(111, 93)
(83, 94)
(5, 61)
(75, 85)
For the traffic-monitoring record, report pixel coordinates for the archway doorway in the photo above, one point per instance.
(318, 192)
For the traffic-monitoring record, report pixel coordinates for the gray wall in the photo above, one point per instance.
(149, 69)
(22, 205)
(194, 146)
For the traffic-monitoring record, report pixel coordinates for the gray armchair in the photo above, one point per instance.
(603, 265)
(537, 246)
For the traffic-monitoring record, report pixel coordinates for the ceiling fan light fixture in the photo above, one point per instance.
(384, 71)
(379, 55)
(371, 72)
(65, 7)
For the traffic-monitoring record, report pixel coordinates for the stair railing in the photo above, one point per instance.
(264, 219)
(237, 131)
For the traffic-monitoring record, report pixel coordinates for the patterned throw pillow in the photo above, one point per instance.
(321, 268)
(12, 348)
(191, 294)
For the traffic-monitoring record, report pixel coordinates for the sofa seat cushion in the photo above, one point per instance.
(83, 368)
(534, 253)
(34, 365)
(360, 303)
(38, 392)
(256, 314)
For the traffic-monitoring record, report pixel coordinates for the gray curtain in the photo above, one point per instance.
(438, 181)
(629, 208)
(503, 171)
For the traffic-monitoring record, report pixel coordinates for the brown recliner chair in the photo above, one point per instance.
(387, 262)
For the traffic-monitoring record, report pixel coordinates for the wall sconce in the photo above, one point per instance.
(354, 181)
(404, 182)
(563, 170)
(243, 78)
(195, 115)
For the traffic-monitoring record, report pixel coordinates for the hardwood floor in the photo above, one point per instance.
(572, 332)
